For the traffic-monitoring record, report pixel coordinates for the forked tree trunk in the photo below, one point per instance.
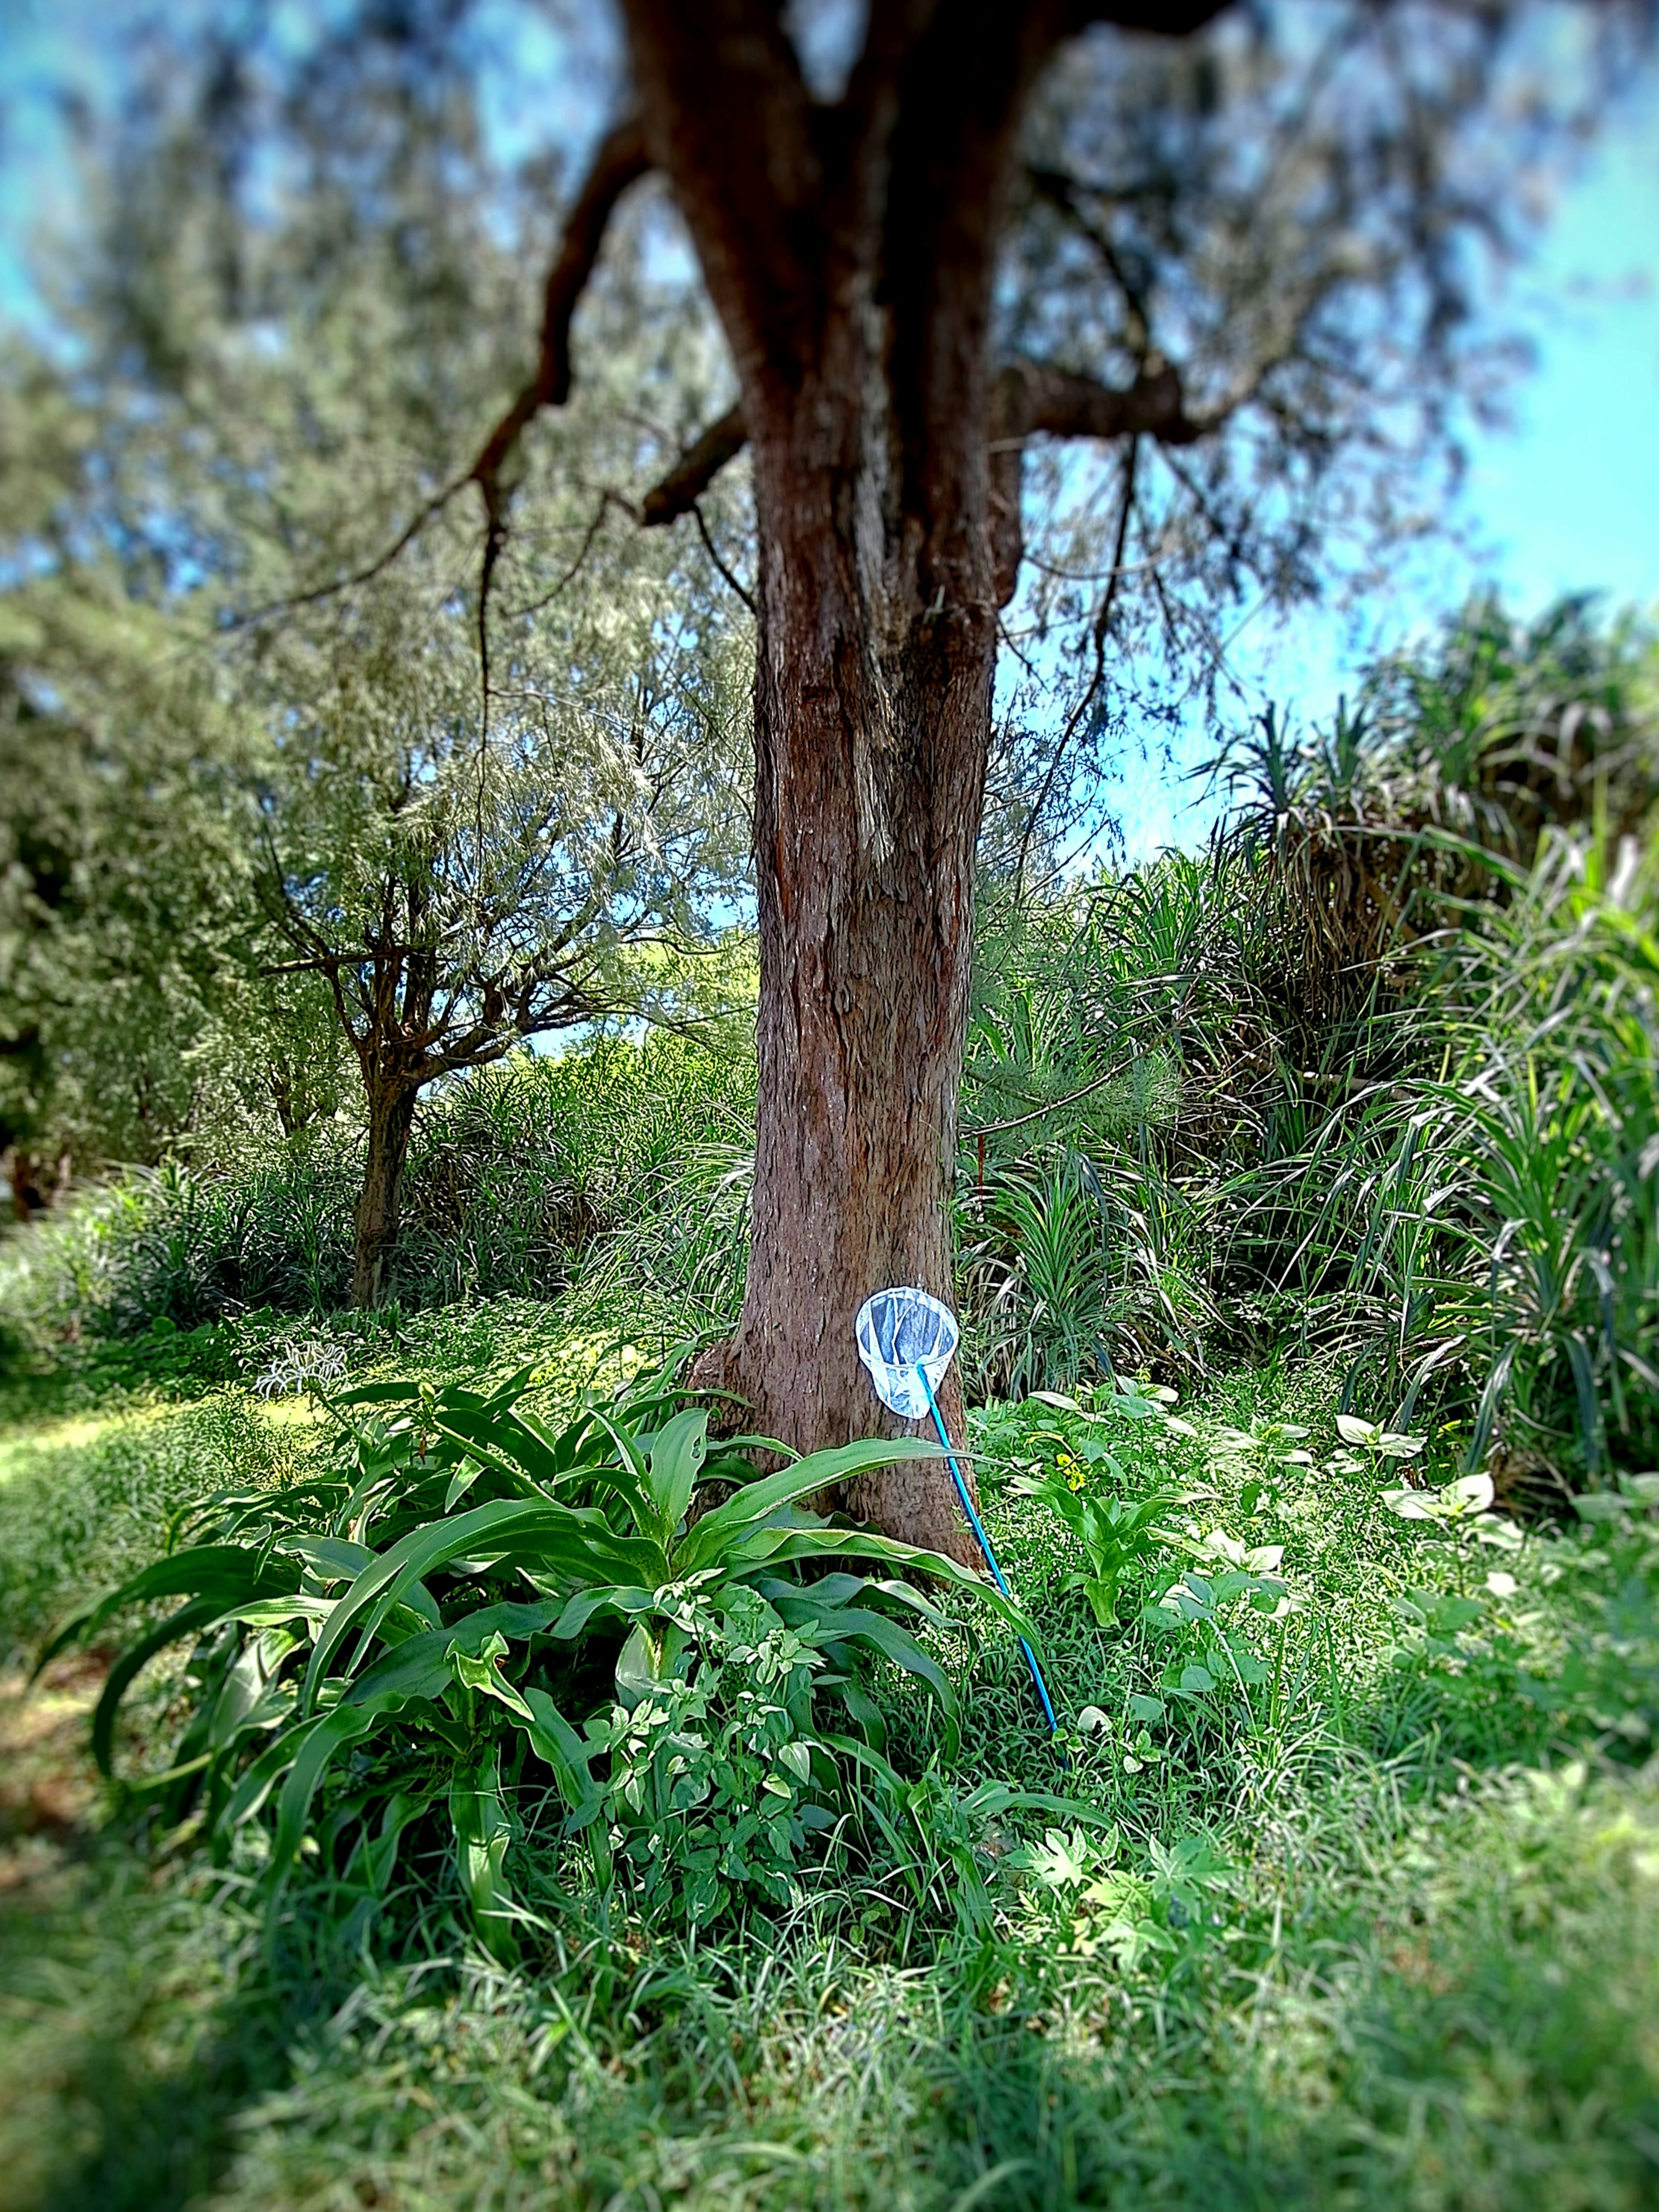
(390, 1118)
(849, 253)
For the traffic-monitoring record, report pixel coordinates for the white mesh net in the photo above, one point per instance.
(898, 1331)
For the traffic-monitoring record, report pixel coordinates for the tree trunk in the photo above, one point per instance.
(390, 1118)
(849, 252)
(872, 733)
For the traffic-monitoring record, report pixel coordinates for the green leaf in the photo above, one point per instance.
(858, 1625)
(676, 1456)
(504, 1443)
(637, 1671)
(717, 1531)
(1101, 1591)
(334, 1558)
(483, 1832)
(232, 1573)
(798, 1758)
(606, 1596)
(854, 1543)
(421, 1667)
(481, 1671)
(315, 1753)
(1353, 1431)
(555, 1537)
(196, 1614)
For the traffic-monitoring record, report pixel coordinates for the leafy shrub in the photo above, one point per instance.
(618, 1601)
(521, 1179)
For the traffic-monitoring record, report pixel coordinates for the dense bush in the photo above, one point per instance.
(519, 1178)
(1355, 1079)
(617, 1600)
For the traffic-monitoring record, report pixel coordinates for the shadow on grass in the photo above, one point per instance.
(133, 2033)
(1482, 2041)
(125, 2048)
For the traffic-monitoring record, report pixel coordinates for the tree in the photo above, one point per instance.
(462, 883)
(1231, 256)
(452, 867)
(125, 919)
(870, 253)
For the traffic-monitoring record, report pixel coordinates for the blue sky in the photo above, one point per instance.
(1565, 499)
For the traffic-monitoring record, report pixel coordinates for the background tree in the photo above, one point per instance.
(461, 885)
(126, 918)
(454, 866)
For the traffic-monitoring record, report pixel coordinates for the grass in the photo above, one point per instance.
(1390, 1937)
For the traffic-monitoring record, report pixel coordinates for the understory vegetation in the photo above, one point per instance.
(443, 1764)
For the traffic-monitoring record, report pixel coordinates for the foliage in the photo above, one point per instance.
(512, 1570)
(1398, 1945)
(325, 853)
(126, 912)
(1353, 1076)
(1119, 1537)
(619, 1166)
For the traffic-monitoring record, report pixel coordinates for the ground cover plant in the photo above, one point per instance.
(387, 1616)
(1368, 1913)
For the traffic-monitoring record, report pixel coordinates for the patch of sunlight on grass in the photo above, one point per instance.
(72, 1433)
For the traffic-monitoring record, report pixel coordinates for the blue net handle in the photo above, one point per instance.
(978, 1526)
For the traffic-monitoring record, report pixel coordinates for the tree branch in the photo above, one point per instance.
(1031, 396)
(678, 492)
(620, 161)
(730, 121)
(713, 552)
(1102, 631)
(1060, 192)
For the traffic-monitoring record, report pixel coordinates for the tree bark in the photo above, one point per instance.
(390, 1118)
(871, 732)
(849, 258)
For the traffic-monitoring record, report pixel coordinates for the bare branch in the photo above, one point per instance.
(709, 547)
(607, 500)
(1032, 396)
(691, 475)
(1062, 193)
(1101, 632)
(621, 161)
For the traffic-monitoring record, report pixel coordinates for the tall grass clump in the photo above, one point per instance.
(1372, 1076)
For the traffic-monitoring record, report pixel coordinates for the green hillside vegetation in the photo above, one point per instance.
(463, 1774)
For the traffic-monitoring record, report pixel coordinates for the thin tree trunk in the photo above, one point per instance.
(390, 1118)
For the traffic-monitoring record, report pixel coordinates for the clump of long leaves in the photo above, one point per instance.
(1554, 1289)
(614, 1612)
